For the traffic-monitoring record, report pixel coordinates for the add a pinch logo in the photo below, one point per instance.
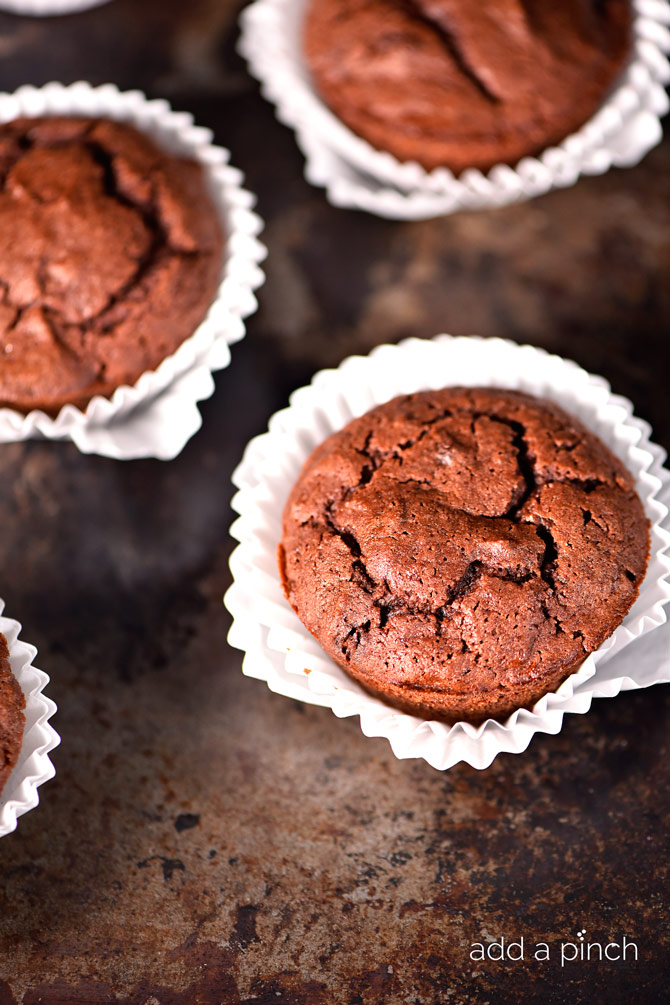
(578, 951)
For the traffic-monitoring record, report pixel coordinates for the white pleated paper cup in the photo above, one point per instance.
(357, 175)
(39, 737)
(48, 8)
(152, 417)
(278, 648)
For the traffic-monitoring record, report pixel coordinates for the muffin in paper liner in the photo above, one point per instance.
(358, 176)
(280, 650)
(39, 737)
(48, 8)
(158, 414)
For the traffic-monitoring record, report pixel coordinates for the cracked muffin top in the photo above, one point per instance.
(460, 84)
(12, 719)
(110, 255)
(460, 552)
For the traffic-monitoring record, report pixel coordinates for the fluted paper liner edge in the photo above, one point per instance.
(34, 765)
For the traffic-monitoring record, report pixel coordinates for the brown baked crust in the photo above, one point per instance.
(12, 719)
(110, 255)
(460, 552)
(460, 84)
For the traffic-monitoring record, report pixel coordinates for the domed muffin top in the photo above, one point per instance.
(110, 255)
(459, 552)
(12, 719)
(460, 84)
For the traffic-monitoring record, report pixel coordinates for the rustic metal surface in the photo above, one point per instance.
(207, 841)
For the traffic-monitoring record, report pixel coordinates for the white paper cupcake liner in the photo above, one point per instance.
(280, 650)
(151, 418)
(39, 738)
(48, 8)
(358, 176)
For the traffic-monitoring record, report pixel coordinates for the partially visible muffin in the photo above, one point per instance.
(460, 84)
(12, 719)
(110, 256)
(460, 552)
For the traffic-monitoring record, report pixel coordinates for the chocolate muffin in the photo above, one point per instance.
(110, 255)
(12, 719)
(460, 84)
(460, 552)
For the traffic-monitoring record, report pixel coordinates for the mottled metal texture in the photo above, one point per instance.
(207, 841)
